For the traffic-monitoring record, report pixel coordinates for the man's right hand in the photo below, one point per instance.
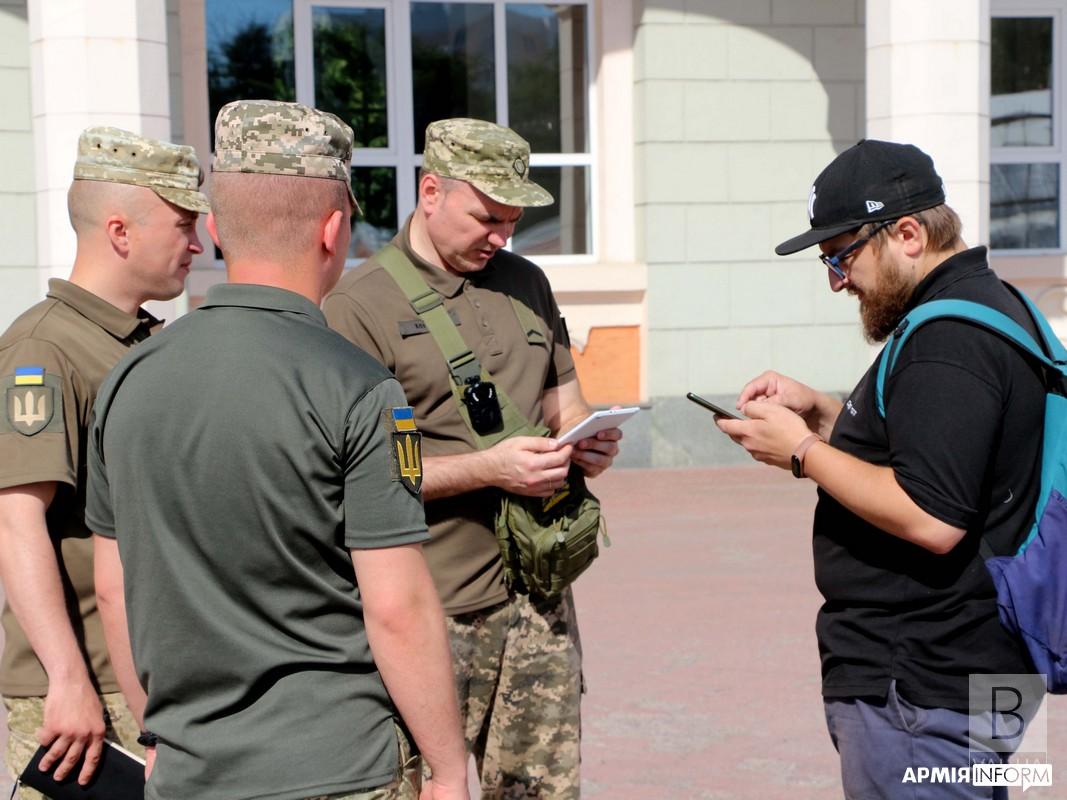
(533, 466)
(781, 390)
(74, 726)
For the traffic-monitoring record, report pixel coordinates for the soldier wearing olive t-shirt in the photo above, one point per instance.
(280, 611)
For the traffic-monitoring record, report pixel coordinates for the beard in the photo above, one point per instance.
(883, 306)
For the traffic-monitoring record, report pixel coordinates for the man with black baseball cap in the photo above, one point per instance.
(905, 500)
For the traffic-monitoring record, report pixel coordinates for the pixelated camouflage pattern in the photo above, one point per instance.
(519, 680)
(407, 785)
(116, 156)
(271, 137)
(26, 714)
(492, 159)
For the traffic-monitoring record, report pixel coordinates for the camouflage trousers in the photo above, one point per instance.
(406, 786)
(26, 714)
(519, 678)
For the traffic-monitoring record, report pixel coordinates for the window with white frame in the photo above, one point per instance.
(389, 67)
(1026, 137)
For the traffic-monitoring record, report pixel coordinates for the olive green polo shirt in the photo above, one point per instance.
(370, 310)
(53, 359)
(237, 456)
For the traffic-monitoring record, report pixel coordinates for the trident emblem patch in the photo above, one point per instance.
(407, 448)
(29, 409)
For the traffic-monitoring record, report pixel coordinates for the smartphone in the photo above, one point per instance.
(718, 411)
(596, 422)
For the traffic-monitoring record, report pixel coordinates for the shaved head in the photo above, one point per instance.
(272, 217)
(90, 203)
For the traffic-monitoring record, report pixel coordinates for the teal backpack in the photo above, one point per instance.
(1031, 584)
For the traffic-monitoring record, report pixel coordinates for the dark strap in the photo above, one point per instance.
(462, 364)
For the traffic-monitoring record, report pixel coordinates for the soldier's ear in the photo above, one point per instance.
(332, 232)
(118, 233)
(212, 229)
(431, 191)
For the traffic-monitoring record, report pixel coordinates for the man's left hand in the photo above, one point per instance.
(770, 434)
(595, 454)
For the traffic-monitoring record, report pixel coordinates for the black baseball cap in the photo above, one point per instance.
(872, 181)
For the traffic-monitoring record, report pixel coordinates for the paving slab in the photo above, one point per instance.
(699, 642)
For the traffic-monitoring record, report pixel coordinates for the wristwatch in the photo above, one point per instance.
(796, 462)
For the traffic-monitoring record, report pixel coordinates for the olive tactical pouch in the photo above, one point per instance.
(545, 543)
(548, 542)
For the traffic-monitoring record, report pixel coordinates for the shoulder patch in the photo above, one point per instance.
(33, 402)
(405, 447)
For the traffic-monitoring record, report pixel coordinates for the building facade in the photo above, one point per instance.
(679, 137)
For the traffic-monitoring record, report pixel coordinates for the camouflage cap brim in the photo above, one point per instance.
(188, 199)
(525, 194)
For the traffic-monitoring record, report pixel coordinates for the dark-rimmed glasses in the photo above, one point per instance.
(834, 262)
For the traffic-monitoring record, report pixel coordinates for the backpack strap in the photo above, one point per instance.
(981, 315)
(462, 364)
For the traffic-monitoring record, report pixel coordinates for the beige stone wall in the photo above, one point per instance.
(739, 104)
(19, 286)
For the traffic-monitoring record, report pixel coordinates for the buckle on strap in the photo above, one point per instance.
(464, 366)
(427, 301)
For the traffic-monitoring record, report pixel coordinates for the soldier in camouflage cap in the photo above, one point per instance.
(494, 160)
(517, 660)
(333, 629)
(116, 156)
(133, 204)
(270, 137)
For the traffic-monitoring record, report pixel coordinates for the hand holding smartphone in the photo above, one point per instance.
(718, 411)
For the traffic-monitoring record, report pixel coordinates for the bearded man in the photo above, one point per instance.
(906, 500)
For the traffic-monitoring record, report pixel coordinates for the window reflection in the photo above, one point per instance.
(349, 52)
(375, 189)
(1021, 103)
(546, 76)
(562, 227)
(249, 52)
(452, 63)
(1024, 206)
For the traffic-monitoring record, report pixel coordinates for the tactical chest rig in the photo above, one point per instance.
(545, 543)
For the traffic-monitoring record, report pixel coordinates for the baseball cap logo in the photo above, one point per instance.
(520, 167)
(811, 205)
(874, 205)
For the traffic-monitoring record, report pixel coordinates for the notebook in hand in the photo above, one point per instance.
(119, 776)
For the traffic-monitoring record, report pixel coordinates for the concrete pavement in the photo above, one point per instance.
(700, 654)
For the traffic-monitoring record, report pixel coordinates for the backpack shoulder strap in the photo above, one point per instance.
(977, 313)
(462, 364)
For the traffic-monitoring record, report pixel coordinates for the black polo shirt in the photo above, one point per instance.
(962, 432)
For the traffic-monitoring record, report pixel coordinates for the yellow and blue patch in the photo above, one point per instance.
(407, 448)
(404, 419)
(29, 376)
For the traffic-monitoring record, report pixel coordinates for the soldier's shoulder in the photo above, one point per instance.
(40, 327)
(361, 278)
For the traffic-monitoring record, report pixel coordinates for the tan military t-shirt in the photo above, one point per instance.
(53, 359)
(369, 309)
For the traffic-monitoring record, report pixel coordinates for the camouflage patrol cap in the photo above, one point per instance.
(275, 138)
(113, 155)
(492, 159)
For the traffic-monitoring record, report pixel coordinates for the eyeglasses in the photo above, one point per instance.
(834, 262)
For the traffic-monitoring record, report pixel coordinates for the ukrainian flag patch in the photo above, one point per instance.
(404, 419)
(29, 376)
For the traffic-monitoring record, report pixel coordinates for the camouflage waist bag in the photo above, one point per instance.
(546, 543)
